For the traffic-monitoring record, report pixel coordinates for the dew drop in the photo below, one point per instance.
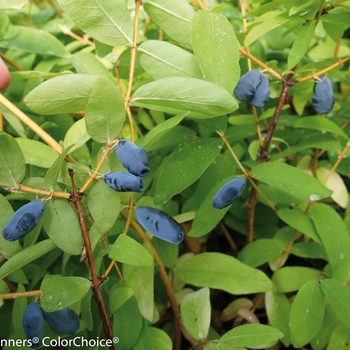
(315, 197)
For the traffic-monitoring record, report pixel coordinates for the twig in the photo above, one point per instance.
(287, 83)
(92, 177)
(33, 293)
(323, 71)
(320, 11)
(96, 282)
(260, 63)
(245, 31)
(33, 126)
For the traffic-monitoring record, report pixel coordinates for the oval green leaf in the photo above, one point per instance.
(216, 270)
(161, 59)
(175, 95)
(126, 250)
(62, 226)
(184, 166)
(196, 313)
(60, 292)
(291, 180)
(107, 21)
(216, 48)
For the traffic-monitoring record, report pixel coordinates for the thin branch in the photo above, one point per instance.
(261, 64)
(96, 282)
(287, 83)
(33, 126)
(33, 293)
(24, 188)
(323, 71)
(245, 30)
(201, 5)
(320, 11)
(92, 177)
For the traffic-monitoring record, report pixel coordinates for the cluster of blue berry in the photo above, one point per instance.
(153, 220)
(64, 321)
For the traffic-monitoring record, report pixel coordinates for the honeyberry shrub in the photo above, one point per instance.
(271, 269)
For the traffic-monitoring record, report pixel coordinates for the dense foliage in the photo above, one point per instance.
(175, 174)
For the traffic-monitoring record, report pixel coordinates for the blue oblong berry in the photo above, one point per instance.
(262, 93)
(323, 99)
(133, 158)
(160, 224)
(247, 84)
(33, 324)
(64, 321)
(229, 192)
(23, 220)
(124, 182)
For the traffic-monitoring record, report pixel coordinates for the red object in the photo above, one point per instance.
(5, 77)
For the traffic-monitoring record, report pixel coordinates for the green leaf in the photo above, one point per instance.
(298, 220)
(144, 340)
(335, 237)
(216, 270)
(76, 136)
(251, 335)
(160, 339)
(339, 297)
(196, 313)
(104, 205)
(301, 44)
(140, 280)
(207, 217)
(7, 249)
(291, 180)
(37, 153)
(105, 113)
(253, 149)
(63, 94)
(87, 63)
(30, 39)
(107, 21)
(52, 174)
(173, 17)
(292, 278)
(275, 19)
(12, 4)
(329, 323)
(306, 314)
(216, 48)
(184, 166)
(126, 250)
(60, 292)
(260, 251)
(278, 310)
(175, 95)
(127, 321)
(340, 338)
(161, 59)
(161, 129)
(12, 163)
(19, 306)
(336, 18)
(61, 223)
(119, 294)
(309, 250)
(26, 256)
(319, 123)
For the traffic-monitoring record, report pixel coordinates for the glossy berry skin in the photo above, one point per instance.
(160, 224)
(23, 220)
(133, 158)
(323, 99)
(262, 93)
(229, 192)
(247, 85)
(64, 321)
(33, 324)
(124, 182)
